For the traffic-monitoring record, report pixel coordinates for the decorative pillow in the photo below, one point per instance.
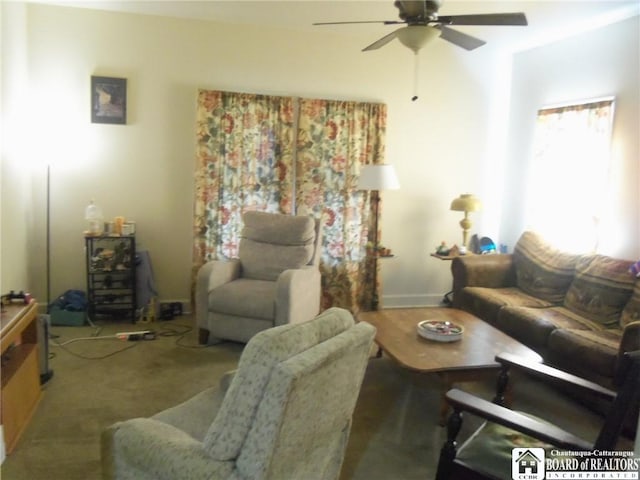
(631, 312)
(601, 289)
(541, 270)
(272, 243)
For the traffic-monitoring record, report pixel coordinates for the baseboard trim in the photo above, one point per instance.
(412, 301)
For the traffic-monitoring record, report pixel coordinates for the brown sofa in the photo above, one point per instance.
(580, 312)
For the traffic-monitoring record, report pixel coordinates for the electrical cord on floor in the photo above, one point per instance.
(179, 331)
(85, 357)
(101, 337)
(170, 331)
(95, 336)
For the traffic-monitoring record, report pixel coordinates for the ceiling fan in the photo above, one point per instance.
(423, 23)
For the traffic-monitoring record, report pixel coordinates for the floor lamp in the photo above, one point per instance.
(375, 178)
(48, 237)
(45, 372)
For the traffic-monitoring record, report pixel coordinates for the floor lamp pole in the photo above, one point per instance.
(43, 324)
(48, 247)
(374, 178)
(375, 197)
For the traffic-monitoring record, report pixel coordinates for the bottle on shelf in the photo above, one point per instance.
(93, 215)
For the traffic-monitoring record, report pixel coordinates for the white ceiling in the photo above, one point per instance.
(548, 20)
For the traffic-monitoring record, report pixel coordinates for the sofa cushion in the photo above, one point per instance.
(272, 243)
(245, 297)
(541, 270)
(491, 451)
(600, 290)
(533, 326)
(486, 302)
(278, 228)
(265, 261)
(586, 352)
(631, 311)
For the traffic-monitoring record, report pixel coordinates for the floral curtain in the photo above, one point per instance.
(244, 160)
(289, 155)
(569, 176)
(335, 139)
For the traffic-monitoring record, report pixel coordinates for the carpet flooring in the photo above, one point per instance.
(98, 381)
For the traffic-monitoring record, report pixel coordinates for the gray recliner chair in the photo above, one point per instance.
(284, 414)
(275, 280)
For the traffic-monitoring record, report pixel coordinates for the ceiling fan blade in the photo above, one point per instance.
(385, 22)
(460, 39)
(381, 42)
(513, 19)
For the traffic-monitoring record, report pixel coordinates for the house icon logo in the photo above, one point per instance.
(527, 464)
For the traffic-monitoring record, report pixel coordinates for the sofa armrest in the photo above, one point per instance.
(298, 295)
(211, 275)
(159, 450)
(629, 342)
(491, 271)
(227, 378)
(630, 338)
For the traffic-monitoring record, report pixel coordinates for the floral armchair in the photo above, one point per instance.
(285, 413)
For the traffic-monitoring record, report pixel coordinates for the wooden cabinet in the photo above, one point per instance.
(111, 276)
(21, 390)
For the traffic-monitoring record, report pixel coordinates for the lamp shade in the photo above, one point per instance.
(466, 203)
(416, 36)
(378, 177)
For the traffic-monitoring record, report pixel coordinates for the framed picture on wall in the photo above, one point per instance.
(108, 100)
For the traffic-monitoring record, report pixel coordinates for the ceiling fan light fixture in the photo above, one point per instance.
(415, 37)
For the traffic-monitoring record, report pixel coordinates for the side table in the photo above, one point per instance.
(447, 300)
(21, 389)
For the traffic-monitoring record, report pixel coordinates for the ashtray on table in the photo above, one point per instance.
(440, 331)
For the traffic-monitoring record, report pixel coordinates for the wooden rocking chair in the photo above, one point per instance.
(487, 453)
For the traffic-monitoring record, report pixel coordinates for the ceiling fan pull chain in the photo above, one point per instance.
(416, 76)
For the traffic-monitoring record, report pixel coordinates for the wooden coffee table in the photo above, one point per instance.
(462, 361)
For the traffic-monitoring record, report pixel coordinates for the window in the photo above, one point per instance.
(568, 181)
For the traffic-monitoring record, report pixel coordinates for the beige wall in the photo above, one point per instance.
(16, 202)
(447, 143)
(601, 63)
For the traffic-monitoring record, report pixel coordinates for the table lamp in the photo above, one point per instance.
(375, 178)
(465, 203)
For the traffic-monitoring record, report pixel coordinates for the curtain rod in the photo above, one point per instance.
(577, 103)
